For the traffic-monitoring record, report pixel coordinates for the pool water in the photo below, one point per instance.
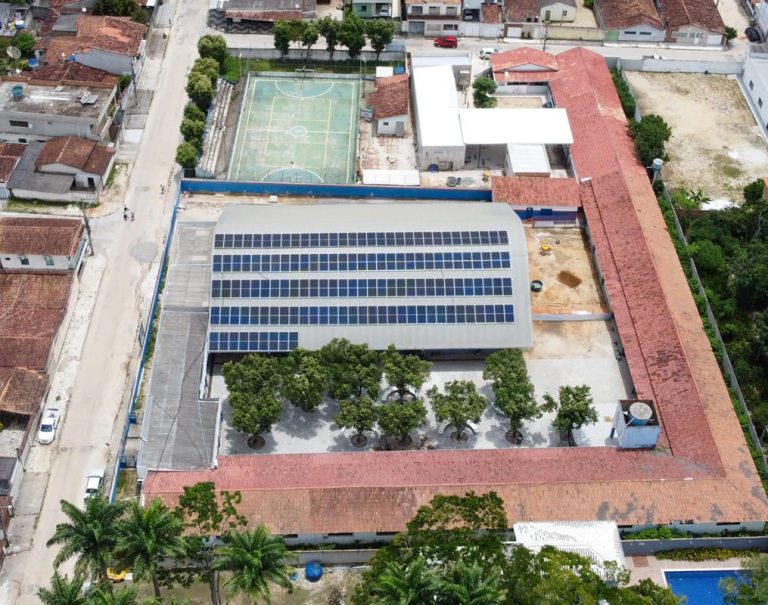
(700, 587)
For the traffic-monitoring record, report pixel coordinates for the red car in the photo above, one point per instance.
(446, 42)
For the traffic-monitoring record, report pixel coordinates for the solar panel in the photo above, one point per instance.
(264, 342)
(271, 263)
(357, 240)
(363, 315)
(360, 288)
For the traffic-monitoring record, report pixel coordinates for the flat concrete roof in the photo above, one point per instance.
(58, 99)
(417, 296)
(523, 126)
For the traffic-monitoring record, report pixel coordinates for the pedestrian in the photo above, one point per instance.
(133, 217)
(162, 189)
(125, 214)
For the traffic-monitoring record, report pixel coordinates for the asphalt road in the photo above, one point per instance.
(88, 436)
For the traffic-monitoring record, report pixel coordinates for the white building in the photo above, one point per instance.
(41, 244)
(433, 18)
(755, 80)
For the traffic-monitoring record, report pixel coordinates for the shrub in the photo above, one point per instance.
(625, 95)
(660, 532)
(483, 88)
(650, 134)
(192, 131)
(703, 554)
(730, 33)
(186, 156)
(590, 4)
(213, 46)
(193, 112)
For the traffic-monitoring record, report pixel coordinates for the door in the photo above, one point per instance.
(416, 27)
(399, 128)
(547, 16)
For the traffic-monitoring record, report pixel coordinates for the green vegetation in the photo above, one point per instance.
(452, 553)
(622, 88)
(115, 8)
(483, 88)
(730, 33)
(754, 592)
(380, 33)
(186, 155)
(574, 408)
(25, 42)
(702, 554)
(459, 404)
(213, 46)
(512, 389)
(650, 134)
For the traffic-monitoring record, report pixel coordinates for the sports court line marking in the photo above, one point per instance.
(350, 165)
(244, 124)
(327, 132)
(319, 178)
(288, 94)
(285, 130)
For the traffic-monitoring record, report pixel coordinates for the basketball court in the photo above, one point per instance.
(297, 128)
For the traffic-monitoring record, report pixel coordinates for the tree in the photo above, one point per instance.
(282, 32)
(483, 88)
(398, 419)
(103, 596)
(193, 112)
(213, 46)
(650, 134)
(303, 379)
(186, 156)
(358, 414)
(193, 132)
(730, 34)
(208, 515)
(115, 8)
(254, 414)
(252, 374)
(255, 560)
(140, 15)
(352, 34)
(63, 591)
(512, 388)
(472, 584)
(754, 193)
(750, 276)
(380, 33)
(200, 90)
(574, 408)
(207, 66)
(754, 592)
(26, 43)
(405, 374)
(145, 537)
(308, 35)
(90, 534)
(329, 29)
(353, 369)
(460, 404)
(412, 583)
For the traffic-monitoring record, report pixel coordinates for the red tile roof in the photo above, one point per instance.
(490, 13)
(80, 154)
(535, 191)
(390, 97)
(10, 154)
(28, 235)
(69, 74)
(112, 34)
(522, 57)
(33, 306)
(703, 13)
(701, 470)
(620, 14)
(516, 11)
(21, 391)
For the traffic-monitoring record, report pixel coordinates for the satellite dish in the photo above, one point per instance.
(13, 52)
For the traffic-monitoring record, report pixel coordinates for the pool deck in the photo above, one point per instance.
(642, 567)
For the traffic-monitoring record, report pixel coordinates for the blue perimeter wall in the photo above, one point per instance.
(363, 191)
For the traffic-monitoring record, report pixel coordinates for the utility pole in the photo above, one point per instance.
(87, 227)
(546, 33)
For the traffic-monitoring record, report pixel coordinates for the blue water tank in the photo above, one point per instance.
(33, 64)
(313, 571)
(399, 70)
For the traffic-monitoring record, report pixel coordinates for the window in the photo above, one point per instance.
(434, 10)
(22, 140)
(23, 259)
(565, 14)
(48, 261)
(751, 85)
(417, 10)
(385, 123)
(451, 27)
(363, 8)
(20, 124)
(451, 10)
(630, 33)
(645, 33)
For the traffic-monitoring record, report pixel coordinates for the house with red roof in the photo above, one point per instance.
(389, 102)
(693, 22)
(630, 20)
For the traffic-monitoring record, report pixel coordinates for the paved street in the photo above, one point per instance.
(89, 437)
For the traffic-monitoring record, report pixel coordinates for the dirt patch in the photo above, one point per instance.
(716, 145)
(569, 279)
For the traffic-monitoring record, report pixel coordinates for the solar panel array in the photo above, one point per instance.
(359, 240)
(487, 294)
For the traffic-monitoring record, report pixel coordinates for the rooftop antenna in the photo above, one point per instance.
(13, 52)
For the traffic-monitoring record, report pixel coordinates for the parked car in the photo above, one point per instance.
(446, 41)
(93, 483)
(486, 53)
(753, 34)
(48, 424)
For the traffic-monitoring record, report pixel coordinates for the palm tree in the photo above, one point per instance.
(63, 591)
(411, 584)
(90, 535)
(255, 559)
(101, 596)
(146, 536)
(472, 584)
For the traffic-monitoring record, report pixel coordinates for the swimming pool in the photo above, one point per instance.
(700, 587)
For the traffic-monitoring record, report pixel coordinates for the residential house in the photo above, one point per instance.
(761, 16)
(34, 109)
(10, 154)
(693, 22)
(372, 9)
(113, 44)
(433, 17)
(65, 169)
(557, 11)
(41, 244)
(390, 105)
(487, 21)
(524, 70)
(14, 18)
(630, 20)
(257, 16)
(755, 80)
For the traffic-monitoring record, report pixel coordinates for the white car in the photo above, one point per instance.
(486, 53)
(93, 483)
(48, 425)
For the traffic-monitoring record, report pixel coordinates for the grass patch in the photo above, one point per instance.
(235, 68)
(38, 206)
(113, 173)
(126, 484)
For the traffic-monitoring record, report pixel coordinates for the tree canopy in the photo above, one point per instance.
(303, 379)
(459, 404)
(405, 374)
(399, 419)
(380, 33)
(358, 414)
(213, 46)
(353, 369)
(512, 388)
(574, 407)
(483, 87)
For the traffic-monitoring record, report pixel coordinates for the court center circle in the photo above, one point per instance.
(297, 131)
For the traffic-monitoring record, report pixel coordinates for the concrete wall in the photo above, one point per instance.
(36, 262)
(336, 557)
(569, 32)
(388, 126)
(756, 85)
(649, 547)
(446, 158)
(89, 197)
(691, 35)
(641, 33)
(46, 126)
(676, 66)
(558, 11)
(299, 56)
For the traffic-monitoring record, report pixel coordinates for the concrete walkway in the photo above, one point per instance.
(96, 410)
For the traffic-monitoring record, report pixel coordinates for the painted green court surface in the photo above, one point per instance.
(297, 130)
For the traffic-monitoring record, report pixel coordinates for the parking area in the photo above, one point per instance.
(716, 145)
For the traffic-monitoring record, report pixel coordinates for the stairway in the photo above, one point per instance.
(217, 20)
(214, 131)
